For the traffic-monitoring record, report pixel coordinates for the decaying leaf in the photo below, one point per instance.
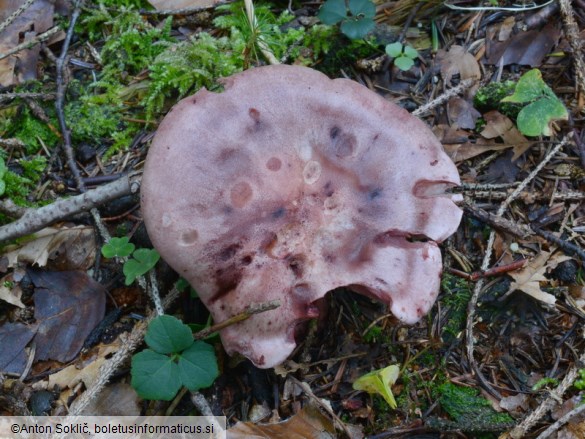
(524, 48)
(309, 423)
(457, 61)
(70, 248)
(118, 399)
(13, 338)
(68, 305)
(498, 125)
(10, 291)
(528, 278)
(461, 113)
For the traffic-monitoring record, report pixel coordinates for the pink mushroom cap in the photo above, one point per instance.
(287, 185)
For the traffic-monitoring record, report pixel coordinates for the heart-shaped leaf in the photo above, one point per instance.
(404, 63)
(143, 260)
(332, 12)
(120, 247)
(379, 381)
(362, 8)
(394, 50)
(155, 376)
(357, 28)
(536, 118)
(167, 334)
(198, 366)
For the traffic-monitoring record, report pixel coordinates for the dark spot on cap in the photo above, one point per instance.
(254, 114)
(226, 280)
(194, 101)
(278, 213)
(229, 251)
(342, 143)
(247, 260)
(296, 264)
(334, 132)
(374, 193)
(434, 162)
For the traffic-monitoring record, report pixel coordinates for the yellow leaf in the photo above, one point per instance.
(379, 381)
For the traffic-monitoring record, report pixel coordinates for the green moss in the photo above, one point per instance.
(488, 98)
(455, 300)
(30, 130)
(344, 52)
(468, 411)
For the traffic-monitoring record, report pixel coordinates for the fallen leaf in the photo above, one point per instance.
(71, 375)
(71, 248)
(118, 399)
(13, 338)
(35, 20)
(524, 48)
(498, 125)
(528, 278)
(10, 291)
(68, 305)
(457, 61)
(467, 150)
(461, 113)
(309, 423)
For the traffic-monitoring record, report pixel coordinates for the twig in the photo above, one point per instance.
(496, 8)
(15, 14)
(183, 11)
(498, 222)
(246, 314)
(307, 389)
(455, 91)
(60, 101)
(34, 220)
(31, 43)
(470, 343)
(499, 195)
(108, 368)
(42, 96)
(8, 207)
(562, 421)
(572, 33)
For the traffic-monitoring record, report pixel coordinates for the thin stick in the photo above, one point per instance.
(572, 33)
(31, 43)
(42, 96)
(455, 91)
(246, 314)
(562, 421)
(34, 220)
(470, 342)
(15, 14)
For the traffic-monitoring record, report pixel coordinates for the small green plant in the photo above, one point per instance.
(142, 261)
(379, 381)
(549, 382)
(542, 108)
(580, 382)
(356, 16)
(2, 172)
(173, 360)
(403, 55)
(118, 247)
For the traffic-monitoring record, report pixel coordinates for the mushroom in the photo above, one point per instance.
(287, 185)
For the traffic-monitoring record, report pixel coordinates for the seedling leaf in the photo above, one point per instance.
(394, 50)
(410, 52)
(536, 118)
(143, 260)
(332, 12)
(362, 8)
(529, 87)
(120, 247)
(357, 28)
(403, 63)
(155, 376)
(167, 334)
(198, 366)
(379, 381)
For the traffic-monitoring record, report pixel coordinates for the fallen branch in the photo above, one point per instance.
(34, 220)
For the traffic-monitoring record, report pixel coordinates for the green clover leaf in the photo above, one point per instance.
(167, 334)
(198, 366)
(120, 247)
(155, 376)
(332, 12)
(143, 260)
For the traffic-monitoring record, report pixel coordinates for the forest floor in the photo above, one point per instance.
(500, 354)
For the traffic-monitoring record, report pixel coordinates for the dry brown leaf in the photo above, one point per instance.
(498, 125)
(309, 423)
(457, 60)
(528, 278)
(71, 376)
(71, 248)
(467, 150)
(461, 113)
(118, 399)
(10, 294)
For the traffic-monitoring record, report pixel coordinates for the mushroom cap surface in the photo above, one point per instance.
(287, 185)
